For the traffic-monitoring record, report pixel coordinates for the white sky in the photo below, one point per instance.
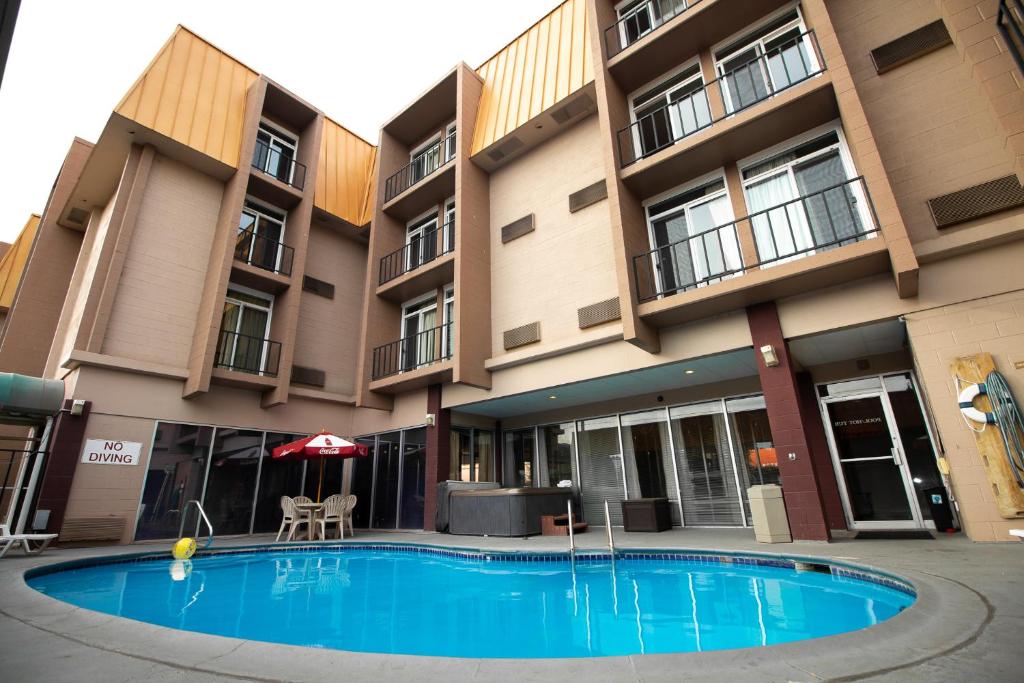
(71, 61)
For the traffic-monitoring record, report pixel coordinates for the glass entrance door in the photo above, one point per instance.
(870, 462)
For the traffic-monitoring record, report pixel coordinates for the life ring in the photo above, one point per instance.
(966, 400)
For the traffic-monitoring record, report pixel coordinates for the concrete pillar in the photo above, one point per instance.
(438, 453)
(65, 450)
(797, 466)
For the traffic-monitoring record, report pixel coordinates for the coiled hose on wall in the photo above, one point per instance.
(1010, 421)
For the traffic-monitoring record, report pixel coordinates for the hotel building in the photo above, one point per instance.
(654, 248)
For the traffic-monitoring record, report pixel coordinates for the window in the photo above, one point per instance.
(637, 18)
(449, 318)
(772, 58)
(670, 111)
(245, 324)
(422, 337)
(802, 200)
(275, 152)
(421, 241)
(472, 454)
(557, 462)
(449, 142)
(260, 236)
(448, 229)
(520, 450)
(693, 238)
(424, 161)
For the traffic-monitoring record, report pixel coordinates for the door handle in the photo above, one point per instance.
(895, 456)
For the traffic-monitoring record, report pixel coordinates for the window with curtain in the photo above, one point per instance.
(801, 202)
(670, 111)
(647, 456)
(519, 458)
(245, 326)
(694, 238)
(558, 462)
(601, 470)
(260, 232)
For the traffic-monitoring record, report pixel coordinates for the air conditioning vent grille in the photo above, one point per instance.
(977, 201)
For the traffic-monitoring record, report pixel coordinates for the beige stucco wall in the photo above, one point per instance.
(327, 335)
(154, 311)
(566, 262)
(935, 129)
(938, 336)
(78, 290)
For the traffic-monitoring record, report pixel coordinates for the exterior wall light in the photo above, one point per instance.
(771, 359)
(431, 419)
(77, 406)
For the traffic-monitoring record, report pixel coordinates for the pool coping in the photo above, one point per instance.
(945, 616)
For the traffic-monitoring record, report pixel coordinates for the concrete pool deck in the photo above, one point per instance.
(965, 625)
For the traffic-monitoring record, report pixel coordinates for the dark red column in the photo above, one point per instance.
(64, 453)
(824, 470)
(438, 453)
(797, 467)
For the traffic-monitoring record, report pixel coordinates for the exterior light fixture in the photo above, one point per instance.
(77, 406)
(552, 397)
(431, 419)
(689, 372)
(771, 359)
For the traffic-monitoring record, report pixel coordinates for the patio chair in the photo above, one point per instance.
(7, 539)
(346, 515)
(291, 517)
(334, 507)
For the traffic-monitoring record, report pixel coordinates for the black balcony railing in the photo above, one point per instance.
(642, 20)
(243, 353)
(792, 62)
(426, 162)
(412, 352)
(831, 217)
(263, 252)
(1010, 20)
(272, 162)
(420, 251)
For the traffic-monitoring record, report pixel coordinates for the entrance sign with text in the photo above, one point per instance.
(110, 452)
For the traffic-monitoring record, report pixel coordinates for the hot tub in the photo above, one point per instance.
(504, 512)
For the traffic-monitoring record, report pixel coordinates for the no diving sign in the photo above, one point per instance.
(109, 452)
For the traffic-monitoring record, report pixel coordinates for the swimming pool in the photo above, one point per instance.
(431, 601)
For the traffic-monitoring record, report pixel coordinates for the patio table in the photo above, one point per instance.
(312, 510)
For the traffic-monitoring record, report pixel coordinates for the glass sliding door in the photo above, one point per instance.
(650, 472)
(461, 468)
(704, 460)
(385, 495)
(753, 444)
(362, 483)
(177, 470)
(670, 111)
(694, 239)
(230, 485)
(601, 471)
(414, 466)
(420, 341)
(244, 328)
(277, 479)
(556, 456)
(520, 458)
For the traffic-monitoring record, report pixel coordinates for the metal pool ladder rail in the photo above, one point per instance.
(572, 537)
(202, 513)
(608, 529)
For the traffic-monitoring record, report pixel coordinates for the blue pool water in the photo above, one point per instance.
(374, 600)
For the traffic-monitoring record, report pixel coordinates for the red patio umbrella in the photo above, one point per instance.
(320, 447)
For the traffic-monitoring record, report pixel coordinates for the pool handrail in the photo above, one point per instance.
(202, 513)
(572, 537)
(608, 529)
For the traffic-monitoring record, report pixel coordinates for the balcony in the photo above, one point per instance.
(1010, 20)
(642, 20)
(242, 354)
(658, 35)
(795, 61)
(427, 166)
(783, 250)
(278, 166)
(413, 360)
(419, 265)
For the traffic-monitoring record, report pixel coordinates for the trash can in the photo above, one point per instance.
(769, 512)
(938, 501)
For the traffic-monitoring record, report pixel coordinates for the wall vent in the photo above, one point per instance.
(319, 287)
(591, 194)
(310, 376)
(517, 228)
(977, 201)
(601, 312)
(522, 335)
(513, 144)
(580, 105)
(918, 43)
(77, 216)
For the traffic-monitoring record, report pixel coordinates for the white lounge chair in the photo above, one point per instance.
(291, 517)
(7, 539)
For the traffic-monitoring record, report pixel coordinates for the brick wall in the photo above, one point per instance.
(938, 336)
